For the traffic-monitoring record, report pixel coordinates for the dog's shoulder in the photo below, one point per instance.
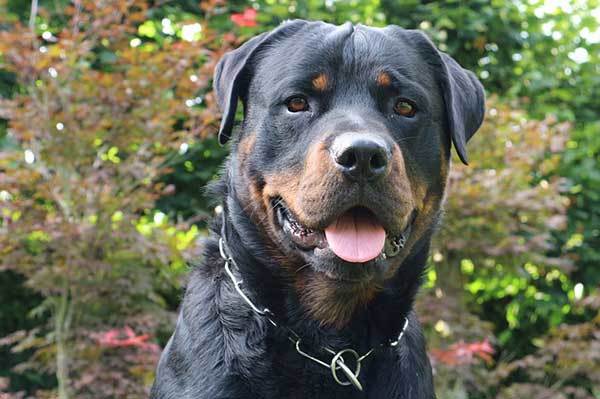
(217, 339)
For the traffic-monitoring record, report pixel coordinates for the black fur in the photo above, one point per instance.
(220, 347)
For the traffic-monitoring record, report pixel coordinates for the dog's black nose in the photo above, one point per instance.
(361, 156)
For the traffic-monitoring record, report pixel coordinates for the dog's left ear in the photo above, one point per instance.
(465, 103)
(464, 97)
(234, 71)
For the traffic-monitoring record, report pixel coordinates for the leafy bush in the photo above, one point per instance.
(93, 127)
(492, 276)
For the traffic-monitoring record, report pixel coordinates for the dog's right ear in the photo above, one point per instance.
(230, 80)
(234, 71)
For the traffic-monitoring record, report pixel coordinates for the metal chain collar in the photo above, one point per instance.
(338, 362)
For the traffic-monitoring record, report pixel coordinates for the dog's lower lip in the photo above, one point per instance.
(303, 237)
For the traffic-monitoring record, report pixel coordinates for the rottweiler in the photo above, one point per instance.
(329, 198)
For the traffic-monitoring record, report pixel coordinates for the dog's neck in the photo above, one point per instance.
(266, 284)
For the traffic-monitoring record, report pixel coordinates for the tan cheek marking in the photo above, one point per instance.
(248, 190)
(399, 179)
(284, 185)
(320, 82)
(244, 149)
(426, 201)
(384, 79)
(430, 200)
(398, 173)
(317, 162)
(292, 185)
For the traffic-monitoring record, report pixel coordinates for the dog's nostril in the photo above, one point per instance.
(378, 161)
(347, 159)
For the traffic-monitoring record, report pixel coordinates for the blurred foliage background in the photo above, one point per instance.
(107, 138)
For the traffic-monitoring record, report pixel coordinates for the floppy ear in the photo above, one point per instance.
(464, 97)
(229, 81)
(234, 71)
(465, 103)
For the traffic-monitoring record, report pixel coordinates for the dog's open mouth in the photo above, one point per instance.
(355, 236)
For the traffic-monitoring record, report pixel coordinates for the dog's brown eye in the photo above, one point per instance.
(297, 104)
(405, 108)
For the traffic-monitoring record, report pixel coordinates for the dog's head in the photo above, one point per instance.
(344, 150)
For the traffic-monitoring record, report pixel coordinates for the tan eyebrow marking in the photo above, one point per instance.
(320, 82)
(384, 79)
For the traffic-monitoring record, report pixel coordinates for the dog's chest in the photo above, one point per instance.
(296, 377)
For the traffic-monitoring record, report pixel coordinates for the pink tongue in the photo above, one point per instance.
(356, 237)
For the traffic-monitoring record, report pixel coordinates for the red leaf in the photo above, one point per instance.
(126, 338)
(463, 353)
(247, 18)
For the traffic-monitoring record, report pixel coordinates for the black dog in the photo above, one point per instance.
(330, 197)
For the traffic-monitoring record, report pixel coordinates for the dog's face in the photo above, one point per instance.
(344, 151)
